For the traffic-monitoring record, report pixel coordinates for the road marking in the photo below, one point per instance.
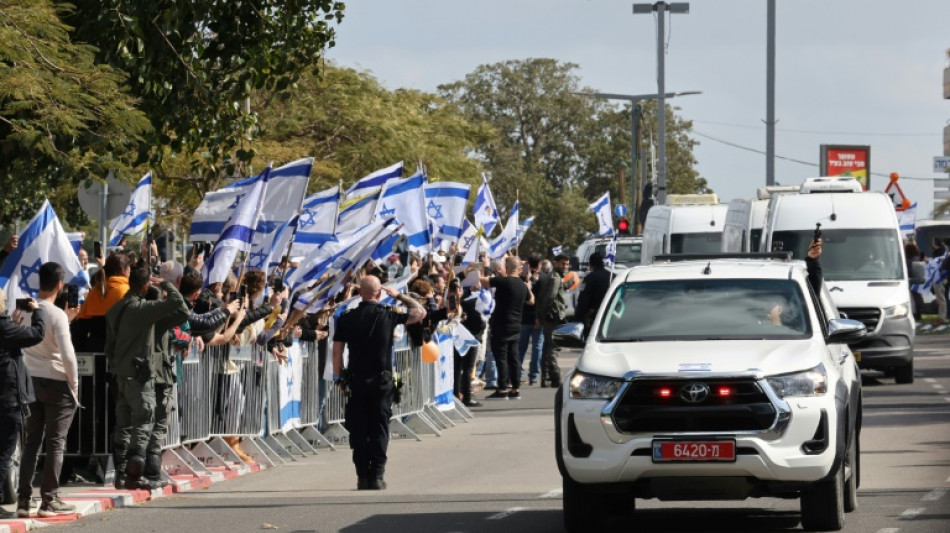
(513, 510)
(948, 399)
(556, 493)
(889, 530)
(930, 380)
(934, 495)
(937, 386)
(910, 514)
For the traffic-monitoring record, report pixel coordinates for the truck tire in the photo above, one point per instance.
(853, 469)
(822, 504)
(583, 511)
(905, 374)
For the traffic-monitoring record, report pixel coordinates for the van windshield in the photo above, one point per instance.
(627, 252)
(696, 243)
(731, 309)
(848, 254)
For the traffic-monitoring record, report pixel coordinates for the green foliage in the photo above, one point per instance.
(555, 149)
(63, 118)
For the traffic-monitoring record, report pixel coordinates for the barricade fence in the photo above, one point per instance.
(227, 391)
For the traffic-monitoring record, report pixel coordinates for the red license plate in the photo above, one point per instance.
(693, 451)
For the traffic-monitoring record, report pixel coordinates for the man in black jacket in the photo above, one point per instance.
(596, 283)
(16, 388)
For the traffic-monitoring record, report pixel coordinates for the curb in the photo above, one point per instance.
(100, 499)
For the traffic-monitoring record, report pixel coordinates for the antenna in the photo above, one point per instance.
(834, 216)
(707, 271)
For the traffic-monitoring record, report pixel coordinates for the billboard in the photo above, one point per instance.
(847, 160)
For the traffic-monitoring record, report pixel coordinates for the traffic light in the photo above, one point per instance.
(623, 226)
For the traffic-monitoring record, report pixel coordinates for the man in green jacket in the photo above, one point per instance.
(131, 327)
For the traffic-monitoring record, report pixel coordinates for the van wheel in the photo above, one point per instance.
(905, 374)
(582, 510)
(852, 469)
(822, 504)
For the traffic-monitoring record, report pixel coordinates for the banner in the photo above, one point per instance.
(847, 160)
(444, 368)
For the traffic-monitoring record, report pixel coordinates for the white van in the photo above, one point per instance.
(683, 228)
(745, 219)
(862, 262)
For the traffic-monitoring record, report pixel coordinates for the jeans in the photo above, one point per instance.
(504, 350)
(536, 338)
(10, 423)
(489, 371)
(50, 417)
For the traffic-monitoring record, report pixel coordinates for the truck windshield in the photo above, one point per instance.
(848, 254)
(731, 309)
(627, 252)
(696, 243)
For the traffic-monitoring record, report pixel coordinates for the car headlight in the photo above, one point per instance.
(808, 383)
(591, 387)
(898, 311)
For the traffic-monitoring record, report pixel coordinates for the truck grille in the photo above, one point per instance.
(870, 316)
(681, 406)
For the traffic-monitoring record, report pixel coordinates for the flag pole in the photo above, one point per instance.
(517, 201)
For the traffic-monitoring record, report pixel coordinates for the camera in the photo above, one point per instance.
(817, 235)
(23, 304)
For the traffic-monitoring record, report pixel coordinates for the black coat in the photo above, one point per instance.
(595, 288)
(16, 387)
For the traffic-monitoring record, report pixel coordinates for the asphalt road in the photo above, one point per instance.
(498, 474)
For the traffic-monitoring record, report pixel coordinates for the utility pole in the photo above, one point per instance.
(770, 97)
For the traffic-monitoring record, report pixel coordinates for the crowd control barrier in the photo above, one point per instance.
(279, 411)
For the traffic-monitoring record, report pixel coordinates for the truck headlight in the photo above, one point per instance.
(812, 382)
(898, 311)
(591, 387)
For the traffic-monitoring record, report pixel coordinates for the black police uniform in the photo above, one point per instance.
(368, 333)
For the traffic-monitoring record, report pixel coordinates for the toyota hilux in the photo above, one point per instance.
(713, 378)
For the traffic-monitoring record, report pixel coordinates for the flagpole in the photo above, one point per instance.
(517, 201)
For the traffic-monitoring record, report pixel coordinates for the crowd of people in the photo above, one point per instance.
(146, 314)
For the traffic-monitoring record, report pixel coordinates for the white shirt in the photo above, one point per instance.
(54, 357)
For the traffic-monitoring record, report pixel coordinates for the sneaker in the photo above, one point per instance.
(497, 395)
(490, 387)
(55, 507)
(472, 403)
(24, 506)
(514, 395)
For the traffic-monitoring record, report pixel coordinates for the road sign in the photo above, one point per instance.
(90, 198)
(941, 163)
(620, 210)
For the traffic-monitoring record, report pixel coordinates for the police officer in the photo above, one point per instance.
(593, 291)
(131, 327)
(368, 333)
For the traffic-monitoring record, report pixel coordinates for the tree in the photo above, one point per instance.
(196, 64)
(556, 150)
(63, 119)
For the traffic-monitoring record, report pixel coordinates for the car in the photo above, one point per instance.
(693, 385)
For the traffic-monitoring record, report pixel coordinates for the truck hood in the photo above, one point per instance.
(883, 293)
(671, 357)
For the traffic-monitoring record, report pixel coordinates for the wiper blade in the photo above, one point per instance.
(627, 339)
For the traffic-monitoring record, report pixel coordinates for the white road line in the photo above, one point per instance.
(889, 530)
(934, 495)
(910, 514)
(556, 493)
(930, 380)
(937, 386)
(513, 510)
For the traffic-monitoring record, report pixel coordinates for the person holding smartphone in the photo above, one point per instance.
(16, 387)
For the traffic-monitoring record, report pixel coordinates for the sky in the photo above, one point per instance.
(861, 72)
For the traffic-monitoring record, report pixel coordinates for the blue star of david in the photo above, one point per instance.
(25, 272)
(130, 210)
(237, 200)
(308, 219)
(258, 258)
(469, 241)
(386, 211)
(434, 210)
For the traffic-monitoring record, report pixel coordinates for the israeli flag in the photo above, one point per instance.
(136, 215)
(400, 284)
(468, 236)
(285, 193)
(486, 212)
(445, 205)
(444, 369)
(907, 218)
(601, 209)
(317, 221)
(357, 214)
(484, 302)
(320, 259)
(463, 339)
(557, 250)
(238, 233)
(935, 275)
(508, 237)
(373, 182)
(267, 251)
(522, 229)
(405, 200)
(611, 258)
(43, 240)
(475, 250)
(75, 239)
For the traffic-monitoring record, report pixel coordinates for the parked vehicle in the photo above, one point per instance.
(687, 224)
(745, 219)
(627, 255)
(691, 386)
(863, 262)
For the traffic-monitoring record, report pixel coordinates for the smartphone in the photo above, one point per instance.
(97, 249)
(207, 251)
(453, 302)
(72, 296)
(242, 292)
(817, 235)
(278, 286)
(23, 304)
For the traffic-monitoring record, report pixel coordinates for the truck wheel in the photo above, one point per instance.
(853, 466)
(905, 374)
(822, 504)
(582, 510)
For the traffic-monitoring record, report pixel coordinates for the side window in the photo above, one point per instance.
(820, 310)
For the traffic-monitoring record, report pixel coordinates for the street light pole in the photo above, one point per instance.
(661, 8)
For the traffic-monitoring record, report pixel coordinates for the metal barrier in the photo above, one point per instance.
(90, 434)
(194, 395)
(311, 402)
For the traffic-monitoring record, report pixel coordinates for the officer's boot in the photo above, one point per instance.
(153, 470)
(118, 458)
(133, 473)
